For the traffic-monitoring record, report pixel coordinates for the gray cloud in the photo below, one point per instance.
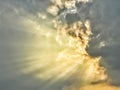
(107, 26)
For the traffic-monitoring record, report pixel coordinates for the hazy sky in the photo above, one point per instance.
(19, 42)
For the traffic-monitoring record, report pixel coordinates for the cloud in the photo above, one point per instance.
(18, 31)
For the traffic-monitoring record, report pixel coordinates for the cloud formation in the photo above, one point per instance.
(19, 20)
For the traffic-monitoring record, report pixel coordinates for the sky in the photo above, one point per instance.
(24, 44)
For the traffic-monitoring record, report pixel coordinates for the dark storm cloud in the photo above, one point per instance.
(106, 24)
